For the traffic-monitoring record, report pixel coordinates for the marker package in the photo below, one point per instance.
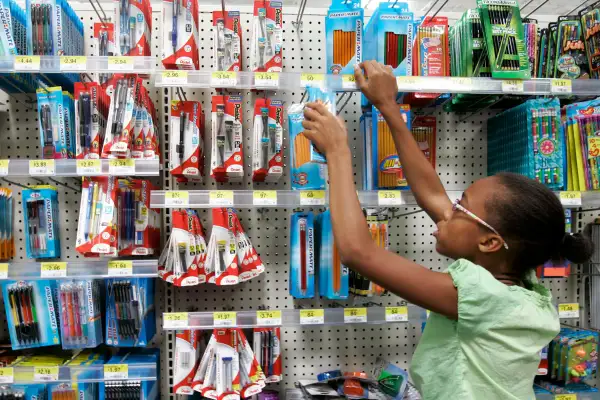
(570, 56)
(188, 347)
(80, 314)
(186, 152)
(56, 132)
(31, 313)
(266, 343)
(227, 158)
(133, 27)
(130, 320)
(333, 275)
(91, 106)
(267, 152)
(7, 240)
(590, 23)
(180, 34)
(343, 36)
(267, 37)
(227, 41)
(302, 262)
(40, 207)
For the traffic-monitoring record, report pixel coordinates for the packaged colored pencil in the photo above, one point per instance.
(570, 56)
(267, 36)
(530, 29)
(583, 145)
(227, 41)
(302, 261)
(343, 36)
(7, 241)
(590, 21)
(542, 58)
(552, 39)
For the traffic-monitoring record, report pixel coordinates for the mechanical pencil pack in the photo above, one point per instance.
(227, 41)
(80, 314)
(180, 44)
(141, 389)
(227, 158)
(186, 154)
(267, 152)
(133, 27)
(344, 25)
(40, 207)
(56, 123)
(267, 36)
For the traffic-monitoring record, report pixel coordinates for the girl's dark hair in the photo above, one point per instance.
(532, 221)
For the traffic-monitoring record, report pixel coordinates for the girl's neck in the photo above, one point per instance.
(503, 271)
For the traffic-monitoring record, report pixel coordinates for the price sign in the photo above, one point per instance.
(42, 167)
(27, 63)
(116, 371)
(73, 63)
(313, 80)
(565, 397)
(312, 317)
(176, 320)
(512, 86)
(353, 315)
(460, 83)
(221, 198)
(568, 310)
(223, 78)
(4, 167)
(89, 167)
(3, 271)
(268, 318)
(123, 167)
(175, 77)
(266, 79)
(45, 374)
(312, 197)
(264, 198)
(177, 199)
(404, 81)
(224, 318)
(120, 63)
(53, 269)
(561, 86)
(120, 268)
(389, 198)
(348, 82)
(7, 375)
(570, 198)
(396, 314)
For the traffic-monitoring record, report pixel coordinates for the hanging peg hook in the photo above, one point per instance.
(63, 184)
(431, 8)
(537, 8)
(579, 6)
(298, 23)
(303, 96)
(178, 94)
(15, 183)
(345, 103)
(102, 20)
(439, 9)
(526, 4)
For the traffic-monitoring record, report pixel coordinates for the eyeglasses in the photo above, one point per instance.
(456, 206)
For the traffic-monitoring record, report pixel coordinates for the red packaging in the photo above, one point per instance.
(227, 41)
(186, 361)
(186, 152)
(227, 159)
(267, 37)
(180, 45)
(267, 152)
(137, 40)
(89, 141)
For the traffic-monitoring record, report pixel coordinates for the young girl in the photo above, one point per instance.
(490, 318)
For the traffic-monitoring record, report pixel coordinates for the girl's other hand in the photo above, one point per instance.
(378, 83)
(326, 131)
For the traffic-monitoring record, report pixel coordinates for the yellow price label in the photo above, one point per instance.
(4, 167)
(268, 318)
(355, 315)
(561, 86)
(175, 77)
(3, 271)
(27, 63)
(42, 167)
(389, 198)
(312, 317)
(73, 63)
(116, 371)
(7, 375)
(118, 166)
(396, 314)
(53, 269)
(120, 63)
(312, 197)
(565, 397)
(348, 82)
(224, 78)
(264, 198)
(307, 79)
(221, 197)
(512, 86)
(176, 316)
(570, 198)
(45, 374)
(89, 167)
(175, 320)
(462, 81)
(407, 80)
(177, 199)
(224, 318)
(268, 79)
(120, 268)
(568, 310)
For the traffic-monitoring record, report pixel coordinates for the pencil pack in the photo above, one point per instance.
(590, 23)
(268, 340)
(187, 353)
(377, 222)
(31, 313)
(186, 153)
(56, 138)
(302, 262)
(267, 36)
(122, 91)
(91, 106)
(333, 275)
(133, 27)
(227, 39)
(503, 33)
(267, 152)
(180, 34)
(570, 56)
(552, 39)
(543, 49)
(40, 208)
(532, 42)
(7, 240)
(79, 308)
(227, 158)
(344, 36)
(583, 145)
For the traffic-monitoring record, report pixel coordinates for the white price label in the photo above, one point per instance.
(396, 314)
(223, 78)
(89, 167)
(224, 319)
(512, 86)
(53, 269)
(268, 318)
(117, 166)
(120, 63)
(116, 371)
(73, 63)
(221, 198)
(42, 167)
(45, 374)
(312, 317)
(354, 315)
(27, 63)
(7, 375)
(312, 197)
(570, 198)
(264, 198)
(177, 199)
(389, 198)
(4, 167)
(568, 310)
(176, 320)
(175, 77)
(120, 268)
(3, 271)
(266, 79)
(561, 86)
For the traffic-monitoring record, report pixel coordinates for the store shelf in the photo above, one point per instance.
(576, 396)
(294, 317)
(79, 64)
(79, 269)
(72, 167)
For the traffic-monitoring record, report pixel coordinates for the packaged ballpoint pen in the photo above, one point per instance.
(302, 261)
(267, 37)
(80, 314)
(227, 159)
(133, 27)
(267, 152)
(180, 34)
(227, 39)
(56, 126)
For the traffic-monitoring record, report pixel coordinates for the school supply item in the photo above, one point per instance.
(532, 39)
(186, 148)
(590, 23)
(180, 34)
(40, 208)
(343, 36)
(133, 27)
(91, 106)
(227, 39)
(267, 152)
(302, 256)
(53, 29)
(132, 389)
(333, 275)
(267, 37)
(56, 123)
(80, 314)
(227, 155)
(267, 350)
(189, 345)
(377, 222)
(570, 56)
(7, 240)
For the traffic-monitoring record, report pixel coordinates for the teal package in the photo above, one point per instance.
(343, 36)
(6, 38)
(302, 259)
(333, 275)
(40, 207)
(69, 121)
(315, 94)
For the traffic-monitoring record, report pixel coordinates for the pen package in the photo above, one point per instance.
(333, 275)
(570, 56)
(122, 93)
(80, 314)
(186, 152)
(132, 389)
(267, 36)
(227, 41)
(227, 158)
(180, 38)
(590, 23)
(302, 261)
(31, 313)
(187, 356)
(54, 136)
(130, 320)
(104, 43)
(266, 343)
(12, 18)
(53, 29)
(7, 240)
(90, 119)
(133, 27)
(267, 152)
(40, 207)
(343, 36)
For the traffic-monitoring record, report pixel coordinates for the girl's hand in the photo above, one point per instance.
(326, 131)
(379, 86)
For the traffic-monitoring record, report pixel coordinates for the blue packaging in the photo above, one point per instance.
(80, 314)
(302, 260)
(40, 207)
(149, 389)
(333, 275)
(343, 36)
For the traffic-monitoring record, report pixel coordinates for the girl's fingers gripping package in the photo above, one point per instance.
(267, 37)
(186, 153)
(180, 34)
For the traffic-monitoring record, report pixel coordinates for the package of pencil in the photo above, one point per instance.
(55, 137)
(133, 27)
(250, 263)
(186, 151)
(222, 264)
(7, 241)
(227, 159)
(267, 36)
(180, 34)
(424, 131)
(79, 308)
(570, 60)
(583, 146)
(590, 22)
(333, 275)
(302, 261)
(143, 360)
(542, 57)
(31, 313)
(552, 39)
(267, 350)
(503, 32)
(40, 207)
(267, 152)
(122, 91)
(530, 30)
(343, 36)
(187, 356)
(227, 39)
(90, 119)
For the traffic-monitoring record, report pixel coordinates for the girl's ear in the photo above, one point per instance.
(490, 243)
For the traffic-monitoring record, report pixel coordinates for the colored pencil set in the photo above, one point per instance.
(343, 36)
(583, 145)
(590, 21)
(532, 42)
(7, 240)
(395, 49)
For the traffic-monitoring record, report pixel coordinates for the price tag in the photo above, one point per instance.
(27, 63)
(221, 197)
(396, 314)
(223, 78)
(175, 77)
(4, 167)
(224, 318)
(120, 63)
(561, 86)
(348, 82)
(313, 80)
(3, 272)
(403, 81)
(352, 315)
(389, 198)
(264, 198)
(266, 79)
(53, 269)
(7, 375)
(177, 199)
(120, 268)
(268, 318)
(73, 63)
(570, 198)
(565, 397)
(568, 310)
(123, 167)
(42, 167)
(312, 197)
(89, 167)
(45, 374)
(312, 317)
(512, 86)
(460, 82)
(116, 371)
(176, 320)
